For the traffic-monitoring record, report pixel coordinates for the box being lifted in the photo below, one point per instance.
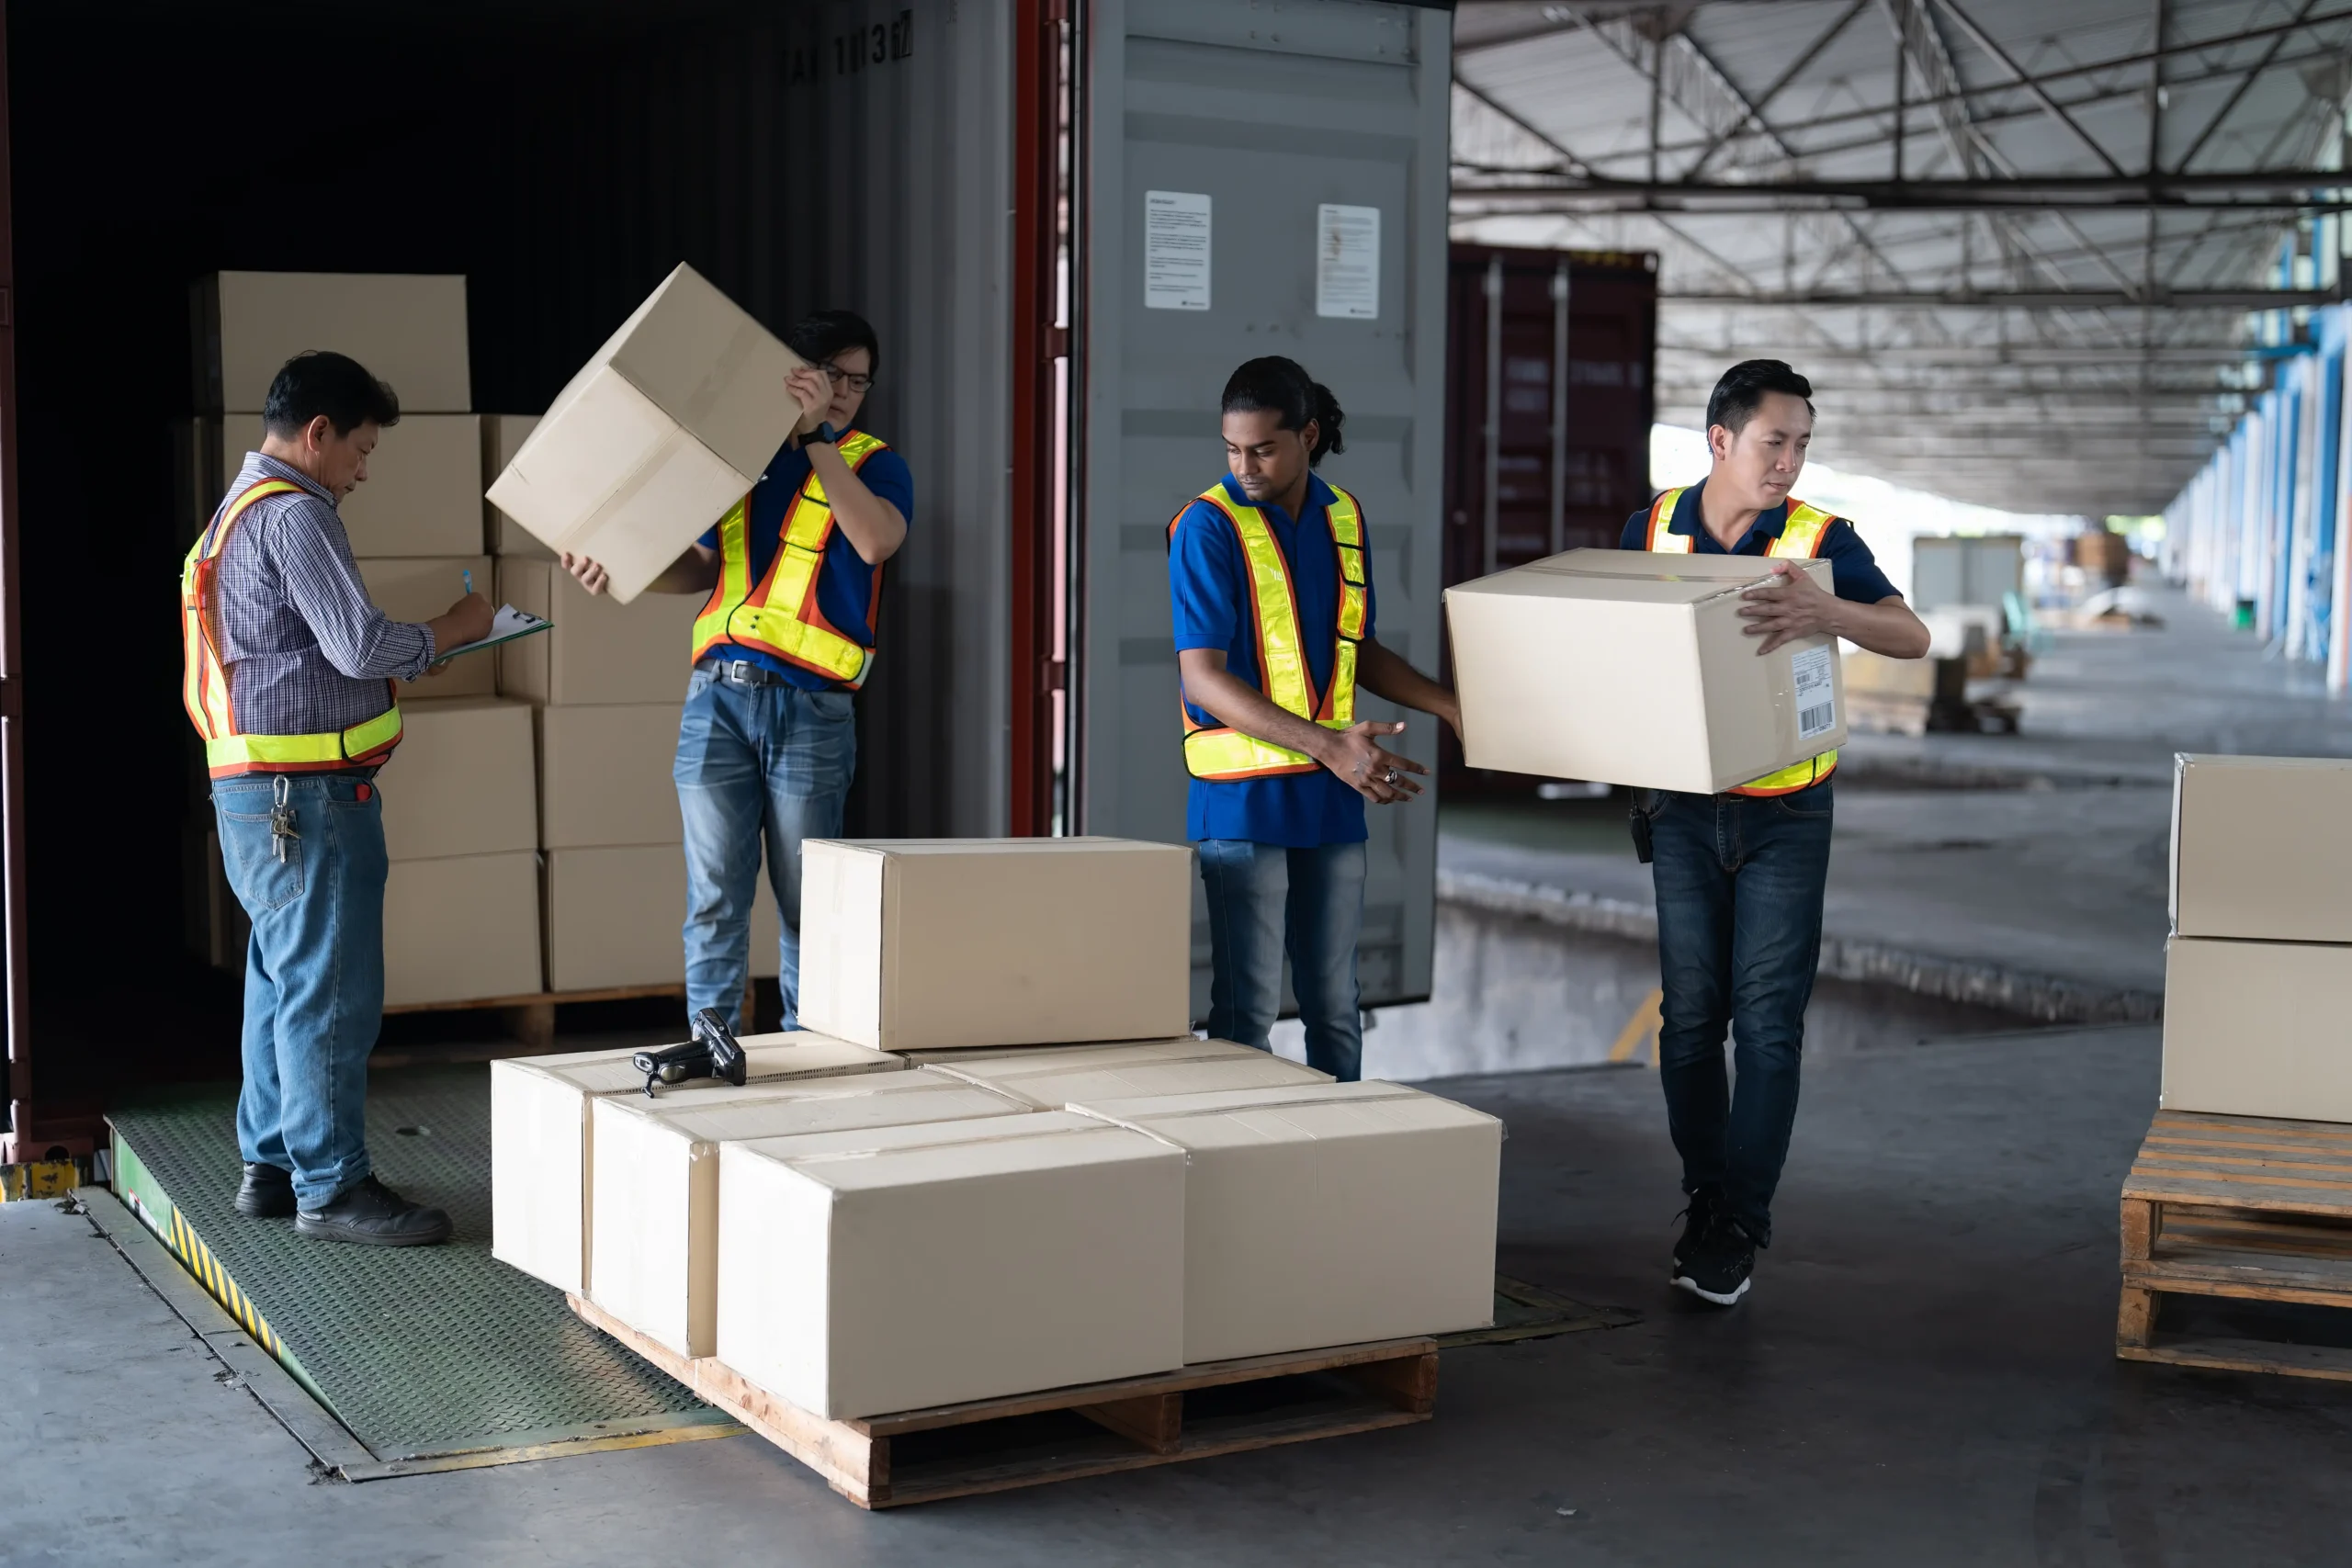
(1328, 1213)
(1052, 1078)
(654, 1227)
(540, 1137)
(1635, 669)
(2256, 849)
(670, 424)
(909, 1267)
(921, 943)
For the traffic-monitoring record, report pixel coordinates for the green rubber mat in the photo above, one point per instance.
(432, 1356)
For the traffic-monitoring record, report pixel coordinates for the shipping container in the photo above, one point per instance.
(1550, 396)
(959, 171)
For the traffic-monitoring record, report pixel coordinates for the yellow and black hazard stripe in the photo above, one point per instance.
(215, 1278)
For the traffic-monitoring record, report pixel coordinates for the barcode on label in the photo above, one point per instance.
(1815, 692)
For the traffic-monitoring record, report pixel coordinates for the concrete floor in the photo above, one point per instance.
(1923, 1375)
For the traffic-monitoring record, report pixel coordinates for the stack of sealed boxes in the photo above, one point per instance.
(2258, 972)
(461, 810)
(1008, 1165)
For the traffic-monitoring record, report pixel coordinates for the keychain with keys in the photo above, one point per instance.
(284, 841)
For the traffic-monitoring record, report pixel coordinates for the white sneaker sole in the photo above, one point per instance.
(1684, 1283)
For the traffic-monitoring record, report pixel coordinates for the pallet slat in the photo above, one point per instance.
(1141, 1421)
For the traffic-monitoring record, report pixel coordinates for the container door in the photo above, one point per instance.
(1260, 179)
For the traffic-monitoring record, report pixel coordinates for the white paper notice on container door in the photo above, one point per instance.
(1175, 250)
(1347, 262)
(1816, 691)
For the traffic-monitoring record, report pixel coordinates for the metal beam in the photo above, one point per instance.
(2243, 88)
(2034, 89)
(1763, 100)
(2030, 299)
(2277, 187)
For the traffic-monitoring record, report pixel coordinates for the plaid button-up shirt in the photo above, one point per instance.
(306, 650)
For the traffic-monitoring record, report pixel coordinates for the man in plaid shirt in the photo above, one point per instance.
(281, 619)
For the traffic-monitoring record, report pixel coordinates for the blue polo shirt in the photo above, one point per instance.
(845, 586)
(1852, 568)
(1208, 586)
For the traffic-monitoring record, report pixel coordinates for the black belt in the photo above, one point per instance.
(740, 672)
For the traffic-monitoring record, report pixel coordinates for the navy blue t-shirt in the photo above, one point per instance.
(1852, 568)
(1208, 587)
(845, 586)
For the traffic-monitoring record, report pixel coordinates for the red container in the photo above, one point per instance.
(1530, 472)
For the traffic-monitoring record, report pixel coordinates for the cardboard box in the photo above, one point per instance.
(604, 775)
(422, 494)
(502, 436)
(908, 1267)
(1328, 1213)
(541, 1137)
(2253, 854)
(670, 424)
(599, 652)
(654, 1223)
(1635, 668)
(418, 589)
(615, 917)
(462, 783)
(2258, 1028)
(914, 944)
(1058, 1076)
(408, 329)
(461, 928)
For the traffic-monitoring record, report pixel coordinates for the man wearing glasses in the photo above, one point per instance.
(767, 746)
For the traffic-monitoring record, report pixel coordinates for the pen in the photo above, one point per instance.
(468, 573)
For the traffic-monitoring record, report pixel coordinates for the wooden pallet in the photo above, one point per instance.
(997, 1445)
(530, 1017)
(2246, 1207)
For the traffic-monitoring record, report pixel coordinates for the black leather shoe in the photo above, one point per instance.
(372, 1215)
(266, 1193)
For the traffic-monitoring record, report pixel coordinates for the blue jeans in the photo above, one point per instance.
(753, 761)
(1264, 899)
(1739, 883)
(314, 972)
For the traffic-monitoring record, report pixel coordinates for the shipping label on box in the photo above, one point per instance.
(2258, 1028)
(922, 943)
(2254, 853)
(599, 652)
(407, 329)
(909, 1267)
(462, 783)
(1055, 1077)
(654, 1220)
(670, 424)
(540, 1137)
(1328, 1213)
(462, 929)
(1635, 669)
(605, 774)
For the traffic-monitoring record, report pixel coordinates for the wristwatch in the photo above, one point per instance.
(823, 435)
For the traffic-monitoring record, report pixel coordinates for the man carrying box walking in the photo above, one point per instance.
(1272, 582)
(1740, 876)
(767, 745)
(288, 678)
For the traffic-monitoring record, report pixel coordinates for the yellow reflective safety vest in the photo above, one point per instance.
(1222, 752)
(1800, 539)
(204, 681)
(780, 616)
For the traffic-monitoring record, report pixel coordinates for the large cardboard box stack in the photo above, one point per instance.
(1636, 668)
(2258, 971)
(1061, 1188)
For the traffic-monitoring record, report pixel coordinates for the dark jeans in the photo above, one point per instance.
(1739, 882)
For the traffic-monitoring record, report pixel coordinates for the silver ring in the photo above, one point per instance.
(1390, 776)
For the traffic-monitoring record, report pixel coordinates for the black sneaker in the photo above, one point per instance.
(372, 1215)
(266, 1193)
(1696, 1216)
(1718, 1264)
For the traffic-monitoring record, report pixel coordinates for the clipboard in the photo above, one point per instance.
(506, 626)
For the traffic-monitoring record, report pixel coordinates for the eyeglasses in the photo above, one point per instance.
(841, 377)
